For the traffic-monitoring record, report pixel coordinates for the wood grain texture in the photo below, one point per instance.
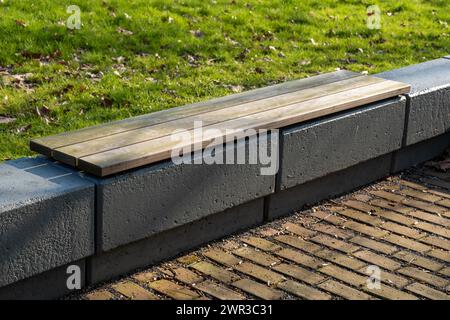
(126, 144)
(122, 139)
(47, 144)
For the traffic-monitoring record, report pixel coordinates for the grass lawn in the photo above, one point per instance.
(138, 56)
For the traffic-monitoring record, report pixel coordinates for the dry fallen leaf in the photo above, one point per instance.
(21, 23)
(124, 31)
(5, 120)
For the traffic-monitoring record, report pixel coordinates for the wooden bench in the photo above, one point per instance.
(121, 145)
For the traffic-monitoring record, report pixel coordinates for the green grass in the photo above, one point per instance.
(68, 79)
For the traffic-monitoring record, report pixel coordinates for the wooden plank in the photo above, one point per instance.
(135, 155)
(47, 144)
(69, 154)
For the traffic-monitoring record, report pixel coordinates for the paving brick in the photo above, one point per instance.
(402, 230)
(389, 205)
(443, 232)
(300, 258)
(332, 230)
(218, 291)
(444, 203)
(387, 195)
(424, 188)
(257, 257)
(377, 259)
(335, 243)
(187, 276)
(215, 272)
(259, 273)
(173, 290)
(427, 292)
(262, 244)
(299, 243)
(430, 218)
(222, 257)
(359, 216)
(344, 291)
(390, 293)
(298, 230)
(145, 277)
(299, 273)
(133, 291)
(328, 216)
(100, 295)
(418, 260)
(259, 290)
(340, 259)
(437, 242)
(445, 271)
(425, 206)
(365, 229)
(392, 279)
(420, 195)
(407, 243)
(374, 245)
(188, 259)
(303, 291)
(424, 276)
(344, 275)
(440, 254)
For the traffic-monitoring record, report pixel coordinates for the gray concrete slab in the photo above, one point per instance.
(46, 217)
(420, 152)
(429, 100)
(156, 198)
(48, 285)
(314, 149)
(287, 201)
(173, 242)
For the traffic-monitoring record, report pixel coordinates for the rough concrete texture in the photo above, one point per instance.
(46, 218)
(429, 105)
(286, 201)
(317, 148)
(144, 202)
(51, 284)
(419, 152)
(170, 243)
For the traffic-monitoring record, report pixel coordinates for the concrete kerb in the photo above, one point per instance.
(428, 107)
(47, 213)
(144, 202)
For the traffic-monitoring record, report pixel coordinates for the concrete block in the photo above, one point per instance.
(420, 152)
(287, 201)
(156, 198)
(429, 100)
(170, 243)
(314, 149)
(48, 285)
(46, 217)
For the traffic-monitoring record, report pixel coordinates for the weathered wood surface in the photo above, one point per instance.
(121, 145)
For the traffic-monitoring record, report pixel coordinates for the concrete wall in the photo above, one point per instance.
(52, 216)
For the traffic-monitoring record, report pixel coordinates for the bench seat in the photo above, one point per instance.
(130, 143)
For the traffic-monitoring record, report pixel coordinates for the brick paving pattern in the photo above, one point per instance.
(401, 225)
